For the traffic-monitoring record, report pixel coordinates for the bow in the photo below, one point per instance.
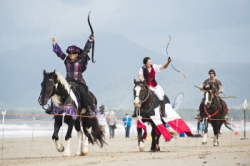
(92, 34)
(171, 63)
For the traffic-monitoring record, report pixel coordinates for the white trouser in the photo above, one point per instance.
(158, 91)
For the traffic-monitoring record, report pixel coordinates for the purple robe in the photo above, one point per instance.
(75, 69)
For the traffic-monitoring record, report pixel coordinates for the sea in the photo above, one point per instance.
(12, 128)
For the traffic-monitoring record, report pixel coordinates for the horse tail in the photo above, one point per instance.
(97, 133)
(226, 123)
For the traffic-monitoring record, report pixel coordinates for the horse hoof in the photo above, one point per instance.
(204, 143)
(85, 154)
(66, 153)
(85, 151)
(79, 154)
(141, 148)
(61, 149)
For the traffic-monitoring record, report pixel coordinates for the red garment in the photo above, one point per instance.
(149, 76)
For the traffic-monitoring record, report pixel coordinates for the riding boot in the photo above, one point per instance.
(49, 110)
(90, 111)
(163, 112)
(135, 113)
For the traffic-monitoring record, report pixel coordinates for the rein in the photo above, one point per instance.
(209, 116)
(146, 97)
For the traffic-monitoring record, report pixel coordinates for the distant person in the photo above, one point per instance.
(111, 120)
(215, 85)
(127, 124)
(101, 116)
(201, 128)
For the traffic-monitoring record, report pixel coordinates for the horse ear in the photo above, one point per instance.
(134, 81)
(55, 77)
(44, 72)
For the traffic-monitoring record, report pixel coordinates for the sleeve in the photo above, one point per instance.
(221, 89)
(157, 67)
(204, 84)
(140, 71)
(58, 51)
(86, 50)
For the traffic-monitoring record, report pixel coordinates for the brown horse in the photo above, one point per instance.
(212, 112)
(145, 101)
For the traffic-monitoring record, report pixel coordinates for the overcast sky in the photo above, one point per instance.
(200, 30)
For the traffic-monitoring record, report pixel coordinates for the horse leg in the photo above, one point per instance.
(70, 124)
(80, 138)
(157, 143)
(85, 149)
(154, 138)
(140, 140)
(216, 125)
(205, 131)
(57, 125)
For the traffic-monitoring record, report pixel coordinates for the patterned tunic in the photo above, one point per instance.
(215, 85)
(75, 69)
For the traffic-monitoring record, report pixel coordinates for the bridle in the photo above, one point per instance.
(141, 97)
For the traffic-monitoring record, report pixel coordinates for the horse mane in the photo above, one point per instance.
(66, 85)
(63, 81)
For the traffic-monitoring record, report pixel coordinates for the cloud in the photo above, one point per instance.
(196, 27)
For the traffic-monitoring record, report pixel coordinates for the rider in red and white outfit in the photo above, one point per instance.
(147, 73)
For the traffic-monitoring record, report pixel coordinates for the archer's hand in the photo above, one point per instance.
(91, 37)
(54, 40)
(169, 59)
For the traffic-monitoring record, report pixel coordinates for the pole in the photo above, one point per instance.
(3, 112)
(245, 107)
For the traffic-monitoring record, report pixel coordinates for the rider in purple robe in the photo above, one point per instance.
(76, 63)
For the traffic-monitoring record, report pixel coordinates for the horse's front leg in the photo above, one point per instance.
(216, 128)
(70, 123)
(80, 138)
(55, 138)
(140, 140)
(204, 142)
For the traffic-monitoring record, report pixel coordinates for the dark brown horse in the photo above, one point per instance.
(144, 102)
(65, 102)
(212, 112)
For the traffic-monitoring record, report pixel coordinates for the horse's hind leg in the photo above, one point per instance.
(57, 125)
(157, 143)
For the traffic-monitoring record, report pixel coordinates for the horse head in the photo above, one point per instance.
(208, 96)
(48, 87)
(141, 93)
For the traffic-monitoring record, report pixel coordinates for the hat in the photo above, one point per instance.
(112, 112)
(74, 50)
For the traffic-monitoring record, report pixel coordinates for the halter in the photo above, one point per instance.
(207, 113)
(145, 98)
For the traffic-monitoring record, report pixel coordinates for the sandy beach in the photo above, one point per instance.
(124, 151)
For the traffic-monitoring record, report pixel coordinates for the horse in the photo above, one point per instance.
(56, 87)
(212, 112)
(144, 99)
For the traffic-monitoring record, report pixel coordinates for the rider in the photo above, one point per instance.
(147, 73)
(76, 63)
(215, 85)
